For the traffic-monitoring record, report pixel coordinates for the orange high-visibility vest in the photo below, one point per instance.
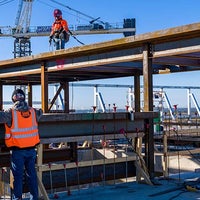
(23, 132)
(59, 25)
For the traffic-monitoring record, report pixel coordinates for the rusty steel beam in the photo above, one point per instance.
(49, 156)
(137, 92)
(173, 41)
(63, 125)
(157, 37)
(44, 87)
(55, 97)
(148, 106)
(1, 96)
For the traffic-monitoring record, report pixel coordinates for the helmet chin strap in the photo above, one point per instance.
(58, 18)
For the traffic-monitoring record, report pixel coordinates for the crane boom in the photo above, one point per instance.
(37, 31)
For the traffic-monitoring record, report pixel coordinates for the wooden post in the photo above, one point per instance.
(39, 173)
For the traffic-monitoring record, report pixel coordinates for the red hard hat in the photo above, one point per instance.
(57, 13)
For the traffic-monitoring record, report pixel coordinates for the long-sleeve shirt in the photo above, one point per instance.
(6, 116)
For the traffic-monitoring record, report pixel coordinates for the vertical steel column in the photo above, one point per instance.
(189, 103)
(65, 87)
(137, 92)
(137, 141)
(96, 106)
(1, 96)
(44, 88)
(148, 106)
(44, 100)
(30, 95)
(147, 75)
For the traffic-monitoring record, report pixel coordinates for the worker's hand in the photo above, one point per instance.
(70, 32)
(50, 39)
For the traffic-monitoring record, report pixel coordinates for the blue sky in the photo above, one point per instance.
(150, 16)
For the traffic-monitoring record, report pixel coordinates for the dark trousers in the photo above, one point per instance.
(24, 159)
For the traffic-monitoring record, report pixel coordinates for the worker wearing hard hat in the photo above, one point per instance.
(21, 137)
(59, 31)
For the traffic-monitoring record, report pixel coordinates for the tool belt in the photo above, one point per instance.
(62, 35)
(56, 34)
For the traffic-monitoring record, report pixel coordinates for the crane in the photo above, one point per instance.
(22, 31)
(22, 44)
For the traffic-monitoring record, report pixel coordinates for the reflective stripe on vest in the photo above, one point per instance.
(22, 136)
(17, 129)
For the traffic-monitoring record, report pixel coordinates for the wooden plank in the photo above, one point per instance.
(42, 189)
(143, 173)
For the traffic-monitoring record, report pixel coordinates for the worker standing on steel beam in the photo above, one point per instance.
(21, 136)
(59, 31)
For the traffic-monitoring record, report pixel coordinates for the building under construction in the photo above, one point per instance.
(83, 158)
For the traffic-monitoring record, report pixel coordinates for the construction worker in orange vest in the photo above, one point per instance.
(21, 136)
(59, 31)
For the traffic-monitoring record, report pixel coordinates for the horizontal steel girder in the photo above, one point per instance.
(76, 127)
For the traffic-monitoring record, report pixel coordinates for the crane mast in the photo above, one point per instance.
(22, 44)
(23, 17)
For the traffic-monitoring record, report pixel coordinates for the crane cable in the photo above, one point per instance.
(92, 18)
(75, 37)
(5, 2)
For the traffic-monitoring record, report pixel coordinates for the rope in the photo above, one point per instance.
(75, 38)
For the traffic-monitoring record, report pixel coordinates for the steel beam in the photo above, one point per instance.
(63, 125)
(44, 87)
(148, 106)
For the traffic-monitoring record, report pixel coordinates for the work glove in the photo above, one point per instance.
(70, 32)
(50, 39)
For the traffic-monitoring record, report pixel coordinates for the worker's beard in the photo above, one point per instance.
(21, 106)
